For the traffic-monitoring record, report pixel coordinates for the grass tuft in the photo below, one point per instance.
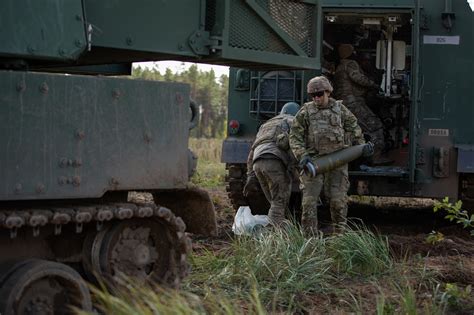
(281, 264)
(281, 271)
(360, 251)
(210, 171)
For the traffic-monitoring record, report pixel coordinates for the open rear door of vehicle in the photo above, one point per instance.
(416, 92)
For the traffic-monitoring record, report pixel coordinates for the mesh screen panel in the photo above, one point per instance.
(249, 31)
(210, 14)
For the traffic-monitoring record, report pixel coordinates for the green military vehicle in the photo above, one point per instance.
(75, 139)
(421, 54)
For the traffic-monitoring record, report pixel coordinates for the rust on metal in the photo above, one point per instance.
(21, 86)
(80, 135)
(44, 88)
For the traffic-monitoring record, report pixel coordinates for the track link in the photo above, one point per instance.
(235, 180)
(105, 215)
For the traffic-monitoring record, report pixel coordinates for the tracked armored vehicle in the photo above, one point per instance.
(75, 139)
(420, 54)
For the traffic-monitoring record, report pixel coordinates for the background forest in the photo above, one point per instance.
(208, 91)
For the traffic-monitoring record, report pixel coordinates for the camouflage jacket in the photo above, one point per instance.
(319, 130)
(272, 141)
(349, 80)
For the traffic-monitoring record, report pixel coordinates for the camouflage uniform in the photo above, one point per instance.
(319, 130)
(350, 86)
(273, 163)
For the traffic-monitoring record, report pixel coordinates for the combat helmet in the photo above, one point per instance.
(318, 84)
(290, 108)
(345, 50)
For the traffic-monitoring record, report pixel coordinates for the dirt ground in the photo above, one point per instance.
(406, 223)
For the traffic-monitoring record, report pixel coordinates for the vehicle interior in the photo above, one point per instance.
(382, 47)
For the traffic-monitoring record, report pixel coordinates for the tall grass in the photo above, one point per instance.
(206, 149)
(282, 271)
(210, 171)
(281, 264)
(286, 266)
(360, 251)
(152, 300)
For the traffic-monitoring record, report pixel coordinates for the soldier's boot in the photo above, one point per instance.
(309, 226)
(276, 216)
(378, 159)
(339, 228)
(377, 138)
(327, 230)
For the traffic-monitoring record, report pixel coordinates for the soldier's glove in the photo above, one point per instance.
(368, 150)
(251, 185)
(304, 160)
(307, 167)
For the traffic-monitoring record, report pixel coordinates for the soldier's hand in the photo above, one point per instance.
(251, 185)
(307, 167)
(368, 150)
(304, 160)
(310, 170)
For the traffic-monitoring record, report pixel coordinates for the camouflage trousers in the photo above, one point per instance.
(368, 121)
(336, 185)
(276, 185)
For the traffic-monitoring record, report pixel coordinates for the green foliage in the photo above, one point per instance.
(383, 307)
(209, 92)
(455, 213)
(285, 265)
(209, 174)
(147, 73)
(408, 300)
(282, 264)
(139, 299)
(135, 298)
(454, 295)
(282, 271)
(361, 252)
(434, 238)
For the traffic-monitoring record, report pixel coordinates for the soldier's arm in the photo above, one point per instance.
(297, 133)
(351, 126)
(250, 171)
(356, 75)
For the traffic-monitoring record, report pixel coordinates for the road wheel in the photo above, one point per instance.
(43, 287)
(146, 250)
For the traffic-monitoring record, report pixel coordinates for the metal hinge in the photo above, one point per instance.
(202, 43)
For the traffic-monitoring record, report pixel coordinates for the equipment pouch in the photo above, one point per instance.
(283, 141)
(336, 120)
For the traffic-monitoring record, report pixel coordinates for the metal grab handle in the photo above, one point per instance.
(194, 114)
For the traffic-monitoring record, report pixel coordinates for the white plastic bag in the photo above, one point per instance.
(245, 223)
